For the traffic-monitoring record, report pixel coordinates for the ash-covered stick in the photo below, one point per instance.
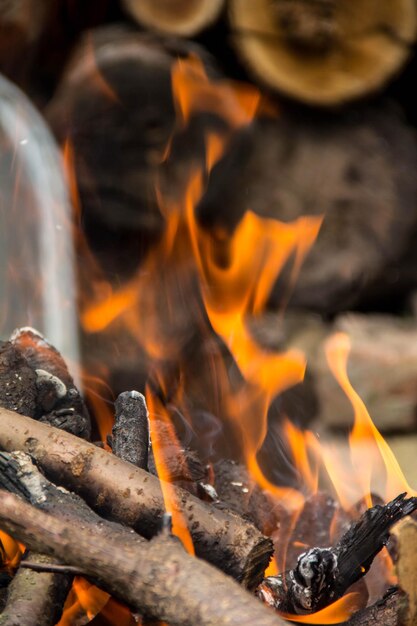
(57, 400)
(322, 575)
(130, 435)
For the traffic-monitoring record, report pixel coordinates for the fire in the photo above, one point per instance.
(204, 283)
(83, 600)
(336, 613)
(373, 465)
(10, 552)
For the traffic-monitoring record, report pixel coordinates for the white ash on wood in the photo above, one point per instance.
(34, 376)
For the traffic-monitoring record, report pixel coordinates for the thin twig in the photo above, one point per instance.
(53, 568)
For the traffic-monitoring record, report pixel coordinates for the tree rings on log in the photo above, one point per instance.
(182, 17)
(324, 52)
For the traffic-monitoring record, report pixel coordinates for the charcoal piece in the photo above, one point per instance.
(18, 390)
(130, 434)
(313, 526)
(58, 401)
(384, 612)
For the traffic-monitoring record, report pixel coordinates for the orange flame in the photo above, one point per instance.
(11, 552)
(236, 103)
(83, 599)
(235, 273)
(335, 613)
(179, 526)
(371, 458)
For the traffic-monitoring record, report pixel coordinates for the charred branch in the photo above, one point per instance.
(157, 576)
(119, 491)
(238, 492)
(385, 612)
(130, 435)
(183, 465)
(322, 575)
(58, 401)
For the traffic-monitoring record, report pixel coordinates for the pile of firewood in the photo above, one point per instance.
(81, 510)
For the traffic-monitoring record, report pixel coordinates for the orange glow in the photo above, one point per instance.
(91, 66)
(11, 553)
(236, 103)
(83, 599)
(371, 458)
(336, 613)
(157, 411)
(304, 448)
(97, 393)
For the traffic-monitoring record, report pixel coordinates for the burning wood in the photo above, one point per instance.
(132, 496)
(157, 577)
(322, 575)
(385, 612)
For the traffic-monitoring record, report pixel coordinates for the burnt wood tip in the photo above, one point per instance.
(322, 575)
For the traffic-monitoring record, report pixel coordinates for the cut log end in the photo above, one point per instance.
(183, 17)
(323, 52)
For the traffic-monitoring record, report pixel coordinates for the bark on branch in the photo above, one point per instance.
(157, 576)
(127, 494)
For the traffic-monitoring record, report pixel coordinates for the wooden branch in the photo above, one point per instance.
(156, 576)
(34, 598)
(183, 17)
(323, 575)
(120, 491)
